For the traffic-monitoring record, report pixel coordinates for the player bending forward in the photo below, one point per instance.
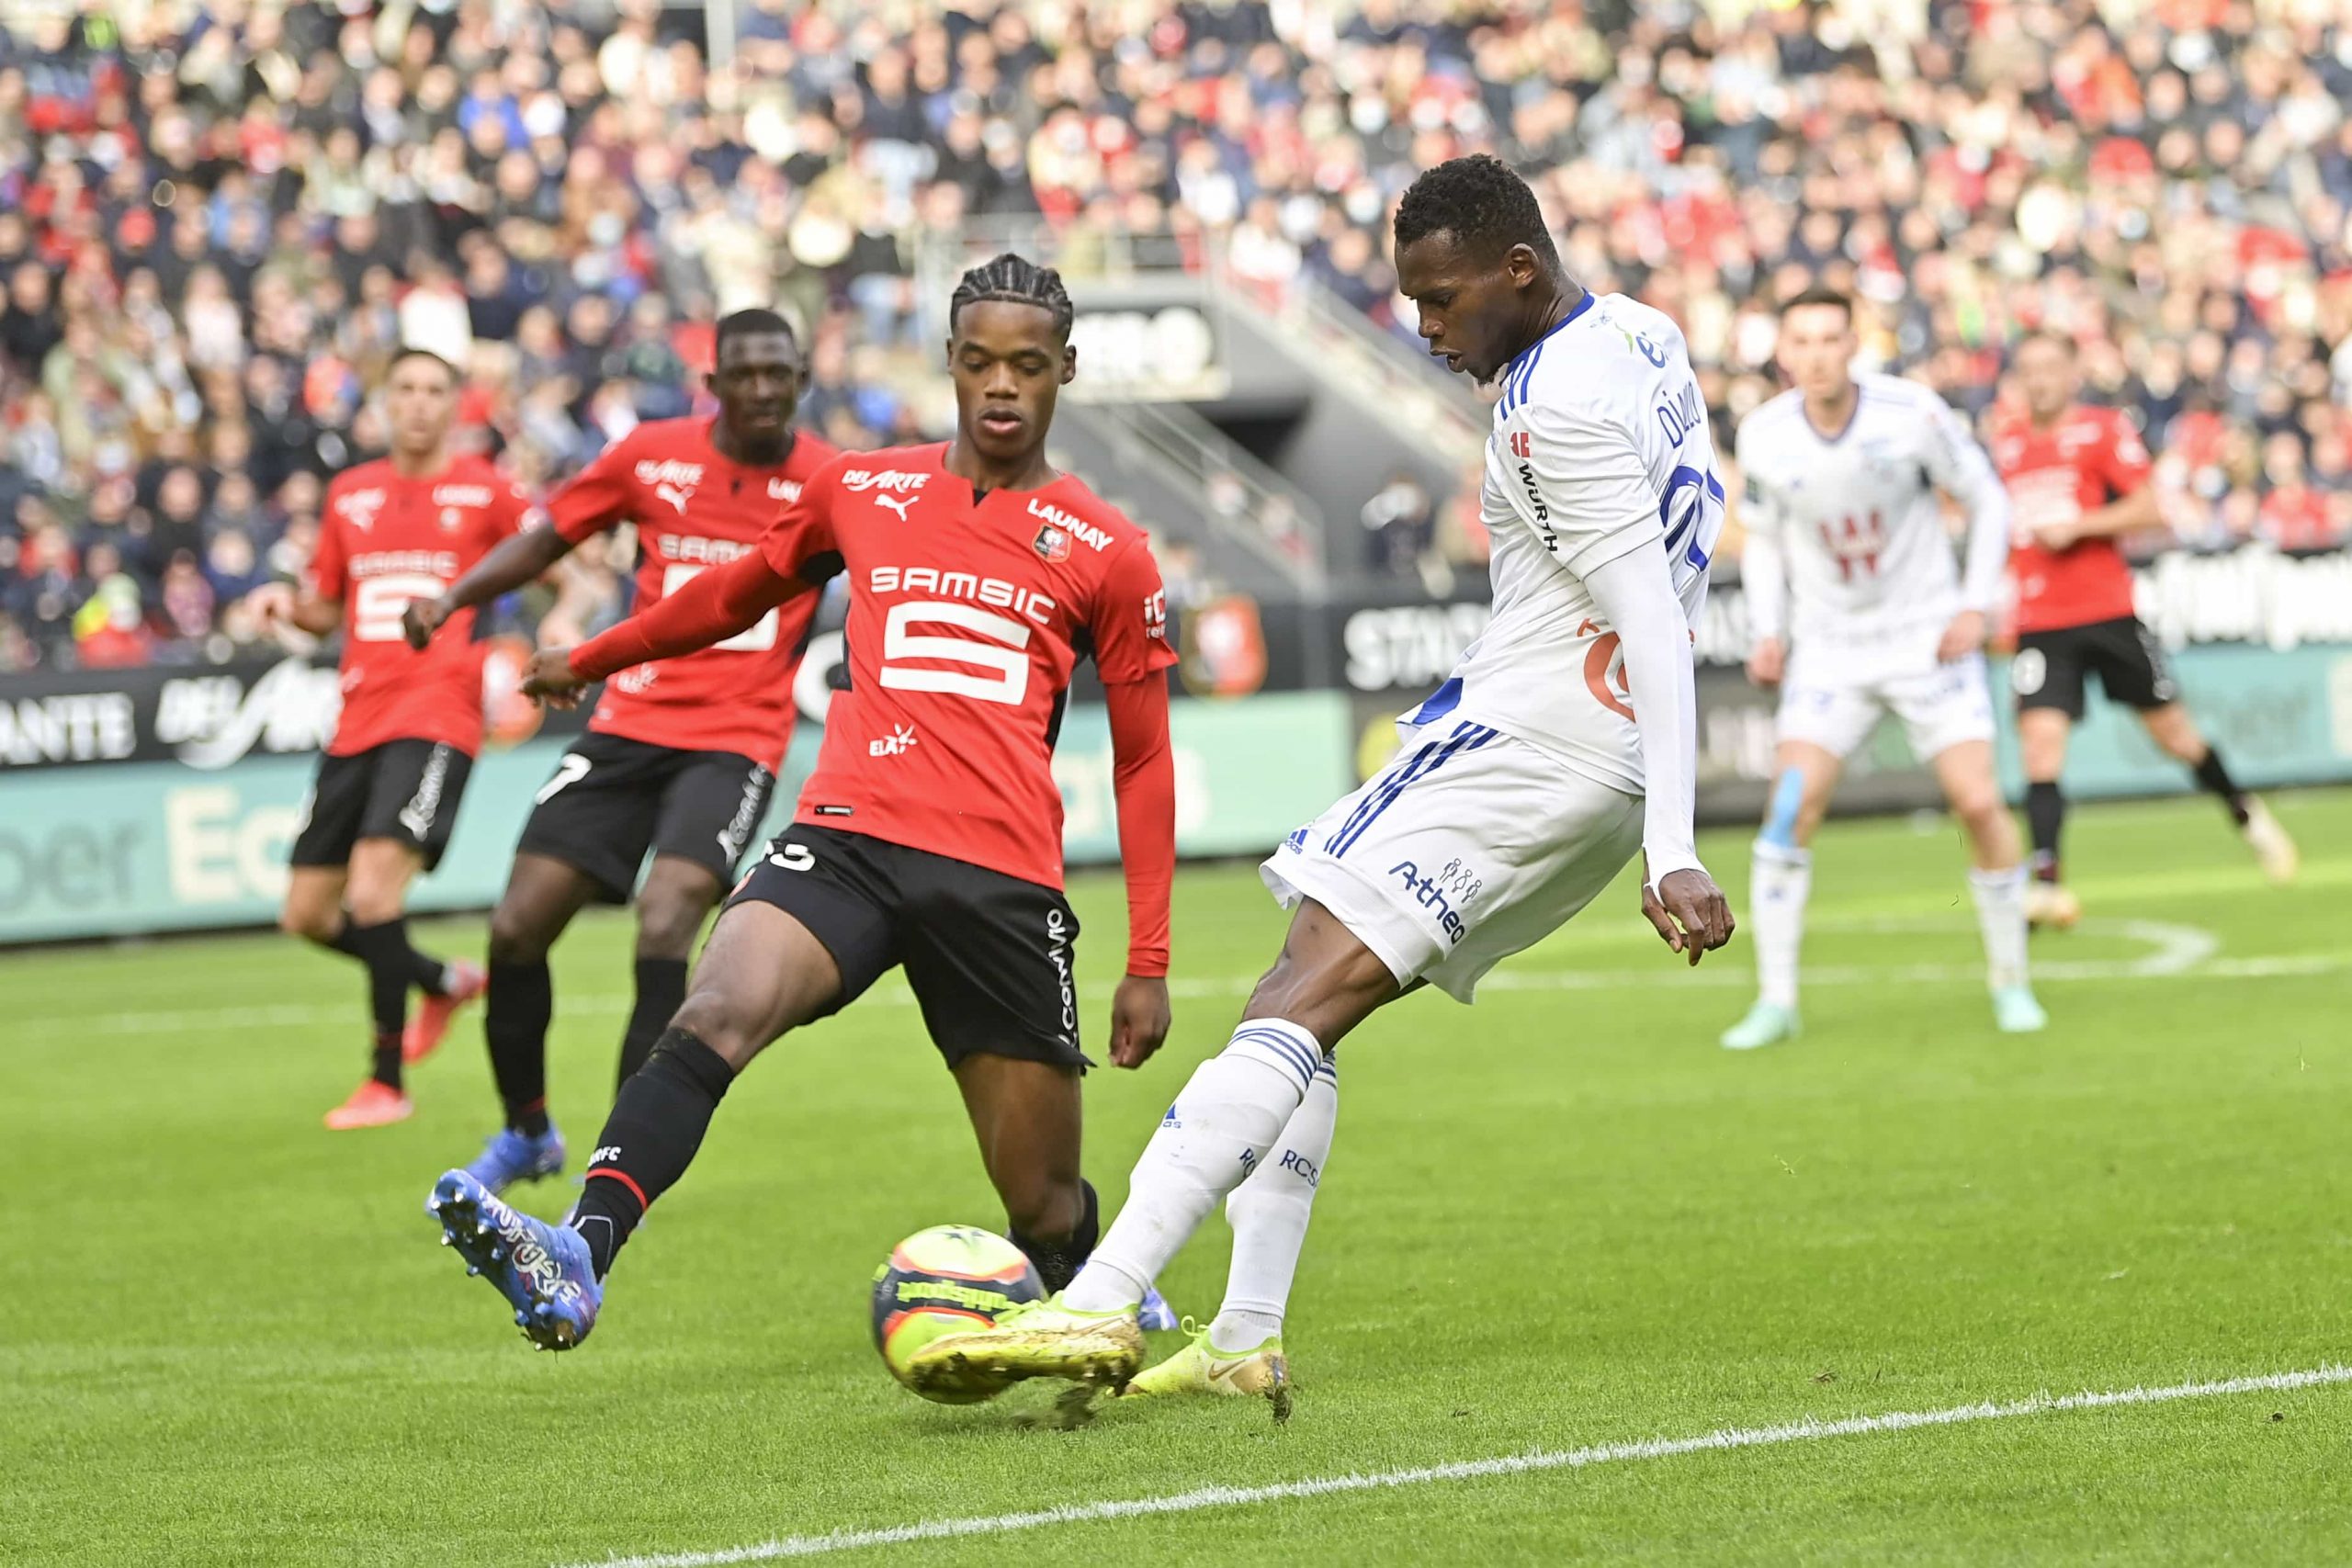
(1857, 611)
(680, 758)
(1566, 740)
(385, 801)
(931, 834)
(2079, 478)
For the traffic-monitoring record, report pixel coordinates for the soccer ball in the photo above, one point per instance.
(947, 1280)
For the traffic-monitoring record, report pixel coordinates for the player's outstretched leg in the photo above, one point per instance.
(543, 1271)
(1223, 1123)
(1240, 1354)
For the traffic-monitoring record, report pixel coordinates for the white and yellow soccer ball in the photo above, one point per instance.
(947, 1280)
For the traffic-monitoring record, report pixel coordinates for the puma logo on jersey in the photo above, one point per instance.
(899, 504)
(898, 743)
(1098, 539)
(359, 507)
(676, 495)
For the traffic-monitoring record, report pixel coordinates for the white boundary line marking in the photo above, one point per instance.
(1805, 1430)
(2166, 964)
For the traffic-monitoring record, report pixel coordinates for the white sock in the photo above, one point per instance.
(1781, 881)
(2000, 915)
(1268, 1215)
(1224, 1120)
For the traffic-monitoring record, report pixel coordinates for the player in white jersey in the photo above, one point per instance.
(1565, 741)
(1857, 609)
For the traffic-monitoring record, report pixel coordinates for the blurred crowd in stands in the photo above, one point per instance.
(217, 219)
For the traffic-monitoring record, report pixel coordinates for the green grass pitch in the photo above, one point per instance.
(1563, 1218)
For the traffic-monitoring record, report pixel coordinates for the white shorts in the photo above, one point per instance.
(1468, 847)
(1833, 699)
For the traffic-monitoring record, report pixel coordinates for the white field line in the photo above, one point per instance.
(1806, 1430)
(2177, 957)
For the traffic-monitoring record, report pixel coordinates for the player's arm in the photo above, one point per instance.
(591, 501)
(717, 605)
(1763, 572)
(1604, 514)
(287, 603)
(1958, 467)
(1132, 653)
(517, 559)
(795, 556)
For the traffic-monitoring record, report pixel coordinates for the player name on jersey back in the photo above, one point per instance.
(1599, 447)
(693, 509)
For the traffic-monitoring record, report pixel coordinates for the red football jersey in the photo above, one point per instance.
(967, 616)
(2088, 457)
(383, 541)
(693, 509)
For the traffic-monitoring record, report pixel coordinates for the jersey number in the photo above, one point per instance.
(759, 639)
(376, 607)
(1006, 657)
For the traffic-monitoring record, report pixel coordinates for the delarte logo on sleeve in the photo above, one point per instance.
(359, 507)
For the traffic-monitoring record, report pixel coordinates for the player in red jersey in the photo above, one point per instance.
(2078, 478)
(929, 836)
(680, 758)
(386, 798)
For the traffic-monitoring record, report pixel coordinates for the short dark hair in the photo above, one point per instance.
(1478, 201)
(1821, 294)
(1019, 281)
(750, 323)
(408, 352)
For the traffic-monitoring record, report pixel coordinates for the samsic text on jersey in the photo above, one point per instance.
(384, 540)
(2087, 459)
(696, 509)
(967, 613)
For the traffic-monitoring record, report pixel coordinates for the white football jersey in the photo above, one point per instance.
(1599, 447)
(1862, 542)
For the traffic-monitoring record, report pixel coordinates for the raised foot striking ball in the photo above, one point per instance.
(947, 1280)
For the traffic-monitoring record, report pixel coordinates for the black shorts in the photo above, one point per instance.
(403, 789)
(989, 957)
(2049, 669)
(611, 799)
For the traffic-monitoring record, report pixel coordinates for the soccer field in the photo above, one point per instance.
(1563, 1220)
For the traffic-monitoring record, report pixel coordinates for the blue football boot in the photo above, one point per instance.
(511, 1157)
(543, 1271)
(1155, 1312)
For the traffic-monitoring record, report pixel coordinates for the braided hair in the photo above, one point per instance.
(1019, 281)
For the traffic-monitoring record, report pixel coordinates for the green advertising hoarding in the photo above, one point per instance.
(132, 848)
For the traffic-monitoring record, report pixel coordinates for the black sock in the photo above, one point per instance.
(515, 1020)
(381, 948)
(2045, 813)
(385, 1059)
(1057, 1262)
(424, 972)
(2214, 776)
(661, 989)
(648, 1140)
